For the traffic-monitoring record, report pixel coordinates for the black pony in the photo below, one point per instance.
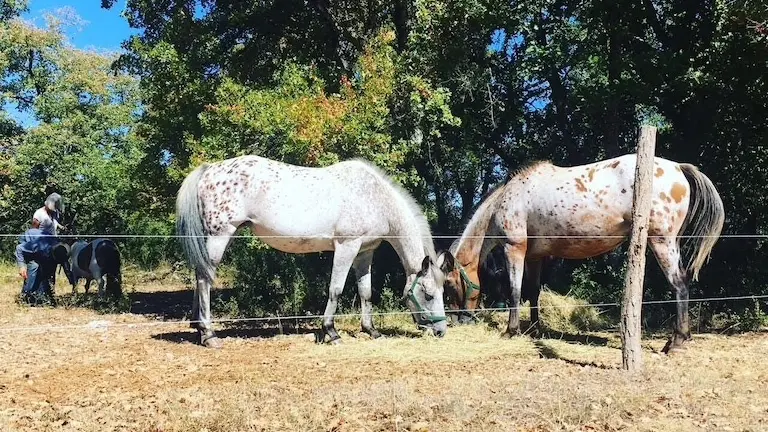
(97, 260)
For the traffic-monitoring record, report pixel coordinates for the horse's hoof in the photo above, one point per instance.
(335, 341)
(509, 334)
(374, 334)
(673, 348)
(212, 342)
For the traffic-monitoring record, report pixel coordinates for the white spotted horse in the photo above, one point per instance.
(349, 208)
(584, 211)
(97, 260)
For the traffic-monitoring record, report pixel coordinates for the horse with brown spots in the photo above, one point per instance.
(584, 211)
(348, 208)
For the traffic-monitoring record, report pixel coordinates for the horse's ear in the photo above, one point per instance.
(425, 264)
(446, 262)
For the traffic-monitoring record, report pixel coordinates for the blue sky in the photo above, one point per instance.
(101, 30)
(104, 29)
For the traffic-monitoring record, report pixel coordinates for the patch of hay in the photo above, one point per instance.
(569, 314)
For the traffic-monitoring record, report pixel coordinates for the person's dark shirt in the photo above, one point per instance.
(34, 243)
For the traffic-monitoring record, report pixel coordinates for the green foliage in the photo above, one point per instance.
(448, 97)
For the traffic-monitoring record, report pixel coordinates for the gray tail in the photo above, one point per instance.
(705, 217)
(189, 224)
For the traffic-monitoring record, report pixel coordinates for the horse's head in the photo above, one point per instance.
(462, 293)
(60, 253)
(423, 293)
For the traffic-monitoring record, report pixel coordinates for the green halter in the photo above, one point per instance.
(429, 315)
(471, 286)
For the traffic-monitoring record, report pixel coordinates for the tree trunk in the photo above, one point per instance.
(631, 351)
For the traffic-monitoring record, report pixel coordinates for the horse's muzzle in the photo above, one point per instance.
(439, 329)
(440, 332)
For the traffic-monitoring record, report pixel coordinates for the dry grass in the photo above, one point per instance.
(150, 378)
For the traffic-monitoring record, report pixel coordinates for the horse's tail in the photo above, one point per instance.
(189, 223)
(706, 217)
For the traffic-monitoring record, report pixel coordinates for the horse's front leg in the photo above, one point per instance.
(532, 289)
(343, 256)
(515, 253)
(362, 266)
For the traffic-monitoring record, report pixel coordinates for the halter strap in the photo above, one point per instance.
(429, 315)
(471, 286)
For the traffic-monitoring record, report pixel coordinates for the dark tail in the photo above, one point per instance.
(189, 224)
(705, 217)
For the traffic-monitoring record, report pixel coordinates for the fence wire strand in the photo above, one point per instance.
(330, 237)
(102, 325)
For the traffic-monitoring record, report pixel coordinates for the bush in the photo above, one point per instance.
(269, 282)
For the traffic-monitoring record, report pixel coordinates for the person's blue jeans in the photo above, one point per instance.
(38, 278)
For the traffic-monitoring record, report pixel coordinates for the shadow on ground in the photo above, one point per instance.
(580, 339)
(241, 332)
(246, 331)
(548, 352)
(164, 304)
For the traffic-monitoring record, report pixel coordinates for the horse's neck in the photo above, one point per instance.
(407, 241)
(472, 239)
(468, 252)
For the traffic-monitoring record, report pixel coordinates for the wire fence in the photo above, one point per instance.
(101, 324)
(383, 237)
(297, 317)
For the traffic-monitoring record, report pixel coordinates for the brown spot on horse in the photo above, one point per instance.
(659, 172)
(615, 164)
(678, 192)
(591, 174)
(580, 185)
(664, 197)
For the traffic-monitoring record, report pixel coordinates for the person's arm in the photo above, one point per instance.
(21, 249)
(35, 223)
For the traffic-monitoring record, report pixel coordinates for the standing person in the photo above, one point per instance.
(37, 255)
(48, 216)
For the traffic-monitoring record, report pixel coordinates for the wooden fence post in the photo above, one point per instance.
(631, 307)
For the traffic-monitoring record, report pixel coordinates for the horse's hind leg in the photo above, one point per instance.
(362, 266)
(343, 256)
(201, 302)
(102, 282)
(667, 254)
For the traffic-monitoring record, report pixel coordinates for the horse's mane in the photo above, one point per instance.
(409, 201)
(522, 170)
(476, 213)
(527, 167)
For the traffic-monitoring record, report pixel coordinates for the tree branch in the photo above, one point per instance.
(658, 27)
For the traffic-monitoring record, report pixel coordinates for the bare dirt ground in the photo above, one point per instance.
(146, 377)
